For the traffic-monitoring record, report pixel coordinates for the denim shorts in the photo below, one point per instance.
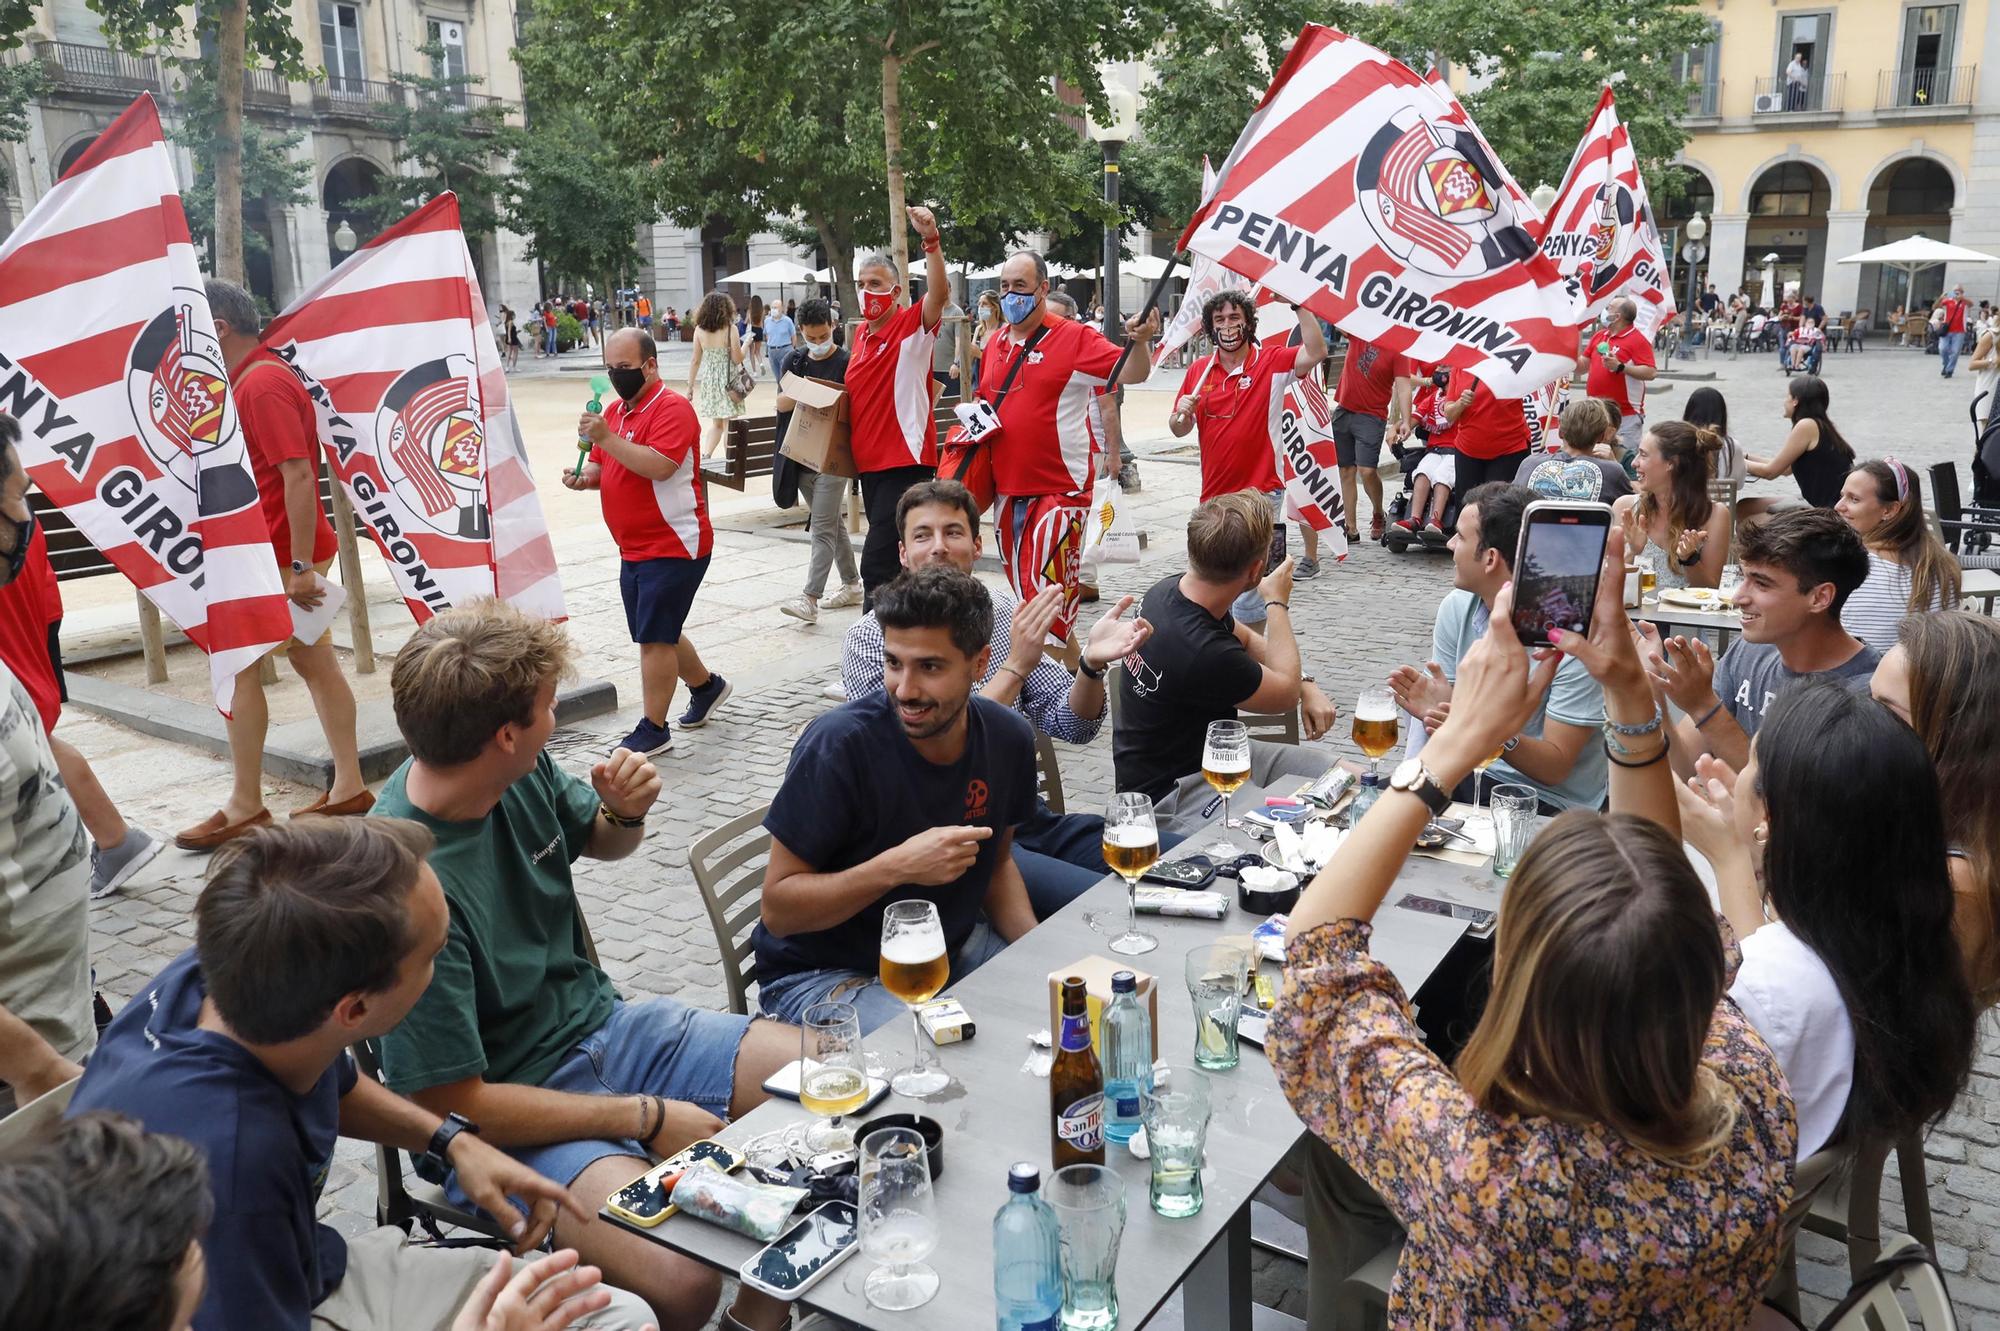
(657, 1046)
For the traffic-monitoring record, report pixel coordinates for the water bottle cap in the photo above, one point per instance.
(1024, 1177)
(1124, 982)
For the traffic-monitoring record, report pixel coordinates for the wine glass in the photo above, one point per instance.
(832, 1077)
(899, 1224)
(1377, 725)
(914, 969)
(1131, 846)
(1479, 770)
(1225, 761)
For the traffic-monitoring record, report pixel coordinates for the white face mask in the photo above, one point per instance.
(819, 350)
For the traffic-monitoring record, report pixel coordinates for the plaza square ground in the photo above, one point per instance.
(1356, 622)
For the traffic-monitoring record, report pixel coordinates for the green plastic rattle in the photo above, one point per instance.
(599, 385)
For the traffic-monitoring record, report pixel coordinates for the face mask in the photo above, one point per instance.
(23, 533)
(875, 304)
(1016, 306)
(819, 350)
(1229, 339)
(628, 384)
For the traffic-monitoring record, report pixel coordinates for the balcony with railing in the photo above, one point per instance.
(266, 88)
(76, 67)
(1932, 88)
(1825, 96)
(357, 99)
(1705, 101)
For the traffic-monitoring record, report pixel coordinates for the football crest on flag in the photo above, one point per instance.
(1423, 188)
(434, 446)
(179, 392)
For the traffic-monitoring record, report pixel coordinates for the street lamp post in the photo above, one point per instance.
(1543, 198)
(1112, 137)
(1693, 252)
(344, 237)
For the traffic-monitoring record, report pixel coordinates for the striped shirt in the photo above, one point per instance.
(1877, 606)
(1044, 696)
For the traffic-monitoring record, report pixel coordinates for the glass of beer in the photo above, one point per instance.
(833, 1080)
(1479, 771)
(1225, 761)
(1378, 724)
(914, 968)
(1131, 846)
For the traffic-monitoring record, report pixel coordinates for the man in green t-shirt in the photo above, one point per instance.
(520, 1031)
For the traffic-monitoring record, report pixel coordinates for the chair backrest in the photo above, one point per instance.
(37, 1116)
(1272, 727)
(1872, 1305)
(1048, 774)
(394, 1203)
(1945, 502)
(1823, 1169)
(728, 866)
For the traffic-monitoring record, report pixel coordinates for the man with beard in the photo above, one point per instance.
(911, 793)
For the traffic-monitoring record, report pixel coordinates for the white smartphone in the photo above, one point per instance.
(798, 1258)
(1556, 566)
(784, 1083)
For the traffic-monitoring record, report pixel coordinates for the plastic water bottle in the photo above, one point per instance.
(1027, 1256)
(1365, 796)
(1128, 1057)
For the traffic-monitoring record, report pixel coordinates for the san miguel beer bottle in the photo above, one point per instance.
(1076, 1085)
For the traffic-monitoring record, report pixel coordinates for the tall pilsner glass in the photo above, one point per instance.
(914, 968)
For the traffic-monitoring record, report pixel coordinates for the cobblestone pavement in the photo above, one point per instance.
(1358, 620)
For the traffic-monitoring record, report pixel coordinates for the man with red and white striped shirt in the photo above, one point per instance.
(1045, 455)
(642, 461)
(890, 392)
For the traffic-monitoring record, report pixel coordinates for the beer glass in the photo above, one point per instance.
(914, 968)
(1089, 1202)
(1131, 846)
(1377, 725)
(1225, 761)
(1479, 770)
(833, 1081)
(899, 1222)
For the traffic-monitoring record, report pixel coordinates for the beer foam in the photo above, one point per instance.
(1371, 710)
(914, 949)
(1129, 835)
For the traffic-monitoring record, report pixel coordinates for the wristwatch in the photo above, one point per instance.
(1511, 745)
(1083, 668)
(454, 1123)
(1414, 778)
(300, 566)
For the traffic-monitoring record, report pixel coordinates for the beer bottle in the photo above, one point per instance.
(1076, 1085)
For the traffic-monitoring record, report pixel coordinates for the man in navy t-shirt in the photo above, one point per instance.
(309, 937)
(911, 793)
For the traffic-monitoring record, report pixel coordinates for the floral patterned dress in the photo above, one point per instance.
(1530, 1222)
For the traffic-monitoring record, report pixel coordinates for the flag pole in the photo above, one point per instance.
(1159, 289)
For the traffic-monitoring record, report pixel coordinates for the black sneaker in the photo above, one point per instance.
(703, 701)
(648, 739)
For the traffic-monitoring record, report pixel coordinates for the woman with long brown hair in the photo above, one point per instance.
(1909, 570)
(717, 352)
(1943, 677)
(1813, 452)
(1611, 1099)
(1670, 517)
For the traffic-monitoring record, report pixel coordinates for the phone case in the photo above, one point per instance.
(1178, 873)
(747, 1273)
(784, 1083)
(634, 1203)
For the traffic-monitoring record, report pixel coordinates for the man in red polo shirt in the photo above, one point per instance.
(1490, 433)
(1368, 384)
(890, 393)
(1953, 338)
(281, 431)
(1044, 458)
(1618, 361)
(1228, 399)
(642, 461)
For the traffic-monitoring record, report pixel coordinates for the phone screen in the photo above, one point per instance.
(1556, 568)
(804, 1250)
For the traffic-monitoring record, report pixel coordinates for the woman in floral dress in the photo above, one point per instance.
(717, 353)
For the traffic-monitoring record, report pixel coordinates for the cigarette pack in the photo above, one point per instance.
(946, 1021)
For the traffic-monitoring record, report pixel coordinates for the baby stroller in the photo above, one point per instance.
(1985, 481)
(1396, 539)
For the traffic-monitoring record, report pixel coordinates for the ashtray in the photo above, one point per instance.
(1279, 891)
(927, 1128)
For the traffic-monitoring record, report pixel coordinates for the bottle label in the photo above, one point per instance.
(1082, 1124)
(1127, 1106)
(1049, 1323)
(1076, 1032)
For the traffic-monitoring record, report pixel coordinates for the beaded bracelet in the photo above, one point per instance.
(619, 819)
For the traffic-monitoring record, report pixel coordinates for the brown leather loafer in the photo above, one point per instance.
(352, 807)
(213, 830)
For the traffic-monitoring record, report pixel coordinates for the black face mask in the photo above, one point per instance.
(18, 557)
(628, 384)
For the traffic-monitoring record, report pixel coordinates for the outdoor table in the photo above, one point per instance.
(998, 1113)
(1726, 625)
(1981, 585)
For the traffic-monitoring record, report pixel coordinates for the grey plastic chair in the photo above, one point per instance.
(728, 866)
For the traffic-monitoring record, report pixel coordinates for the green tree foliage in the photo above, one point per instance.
(577, 202)
(271, 174)
(447, 138)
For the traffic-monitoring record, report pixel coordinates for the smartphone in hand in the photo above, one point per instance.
(1556, 566)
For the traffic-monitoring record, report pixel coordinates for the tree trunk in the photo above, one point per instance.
(892, 143)
(229, 142)
(840, 260)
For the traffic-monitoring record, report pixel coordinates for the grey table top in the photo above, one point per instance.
(999, 1113)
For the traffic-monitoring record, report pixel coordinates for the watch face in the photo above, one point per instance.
(1407, 774)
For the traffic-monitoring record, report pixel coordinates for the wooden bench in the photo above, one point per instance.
(74, 558)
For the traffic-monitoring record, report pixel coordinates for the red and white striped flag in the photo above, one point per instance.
(1205, 278)
(1600, 231)
(395, 349)
(1458, 115)
(1353, 193)
(1309, 463)
(109, 360)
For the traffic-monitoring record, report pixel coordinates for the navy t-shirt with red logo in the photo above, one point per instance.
(857, 786)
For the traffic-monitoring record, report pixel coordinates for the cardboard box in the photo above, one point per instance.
(1097, 973)
(817, 436)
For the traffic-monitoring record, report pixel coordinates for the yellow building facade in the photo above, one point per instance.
(1822, 129)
